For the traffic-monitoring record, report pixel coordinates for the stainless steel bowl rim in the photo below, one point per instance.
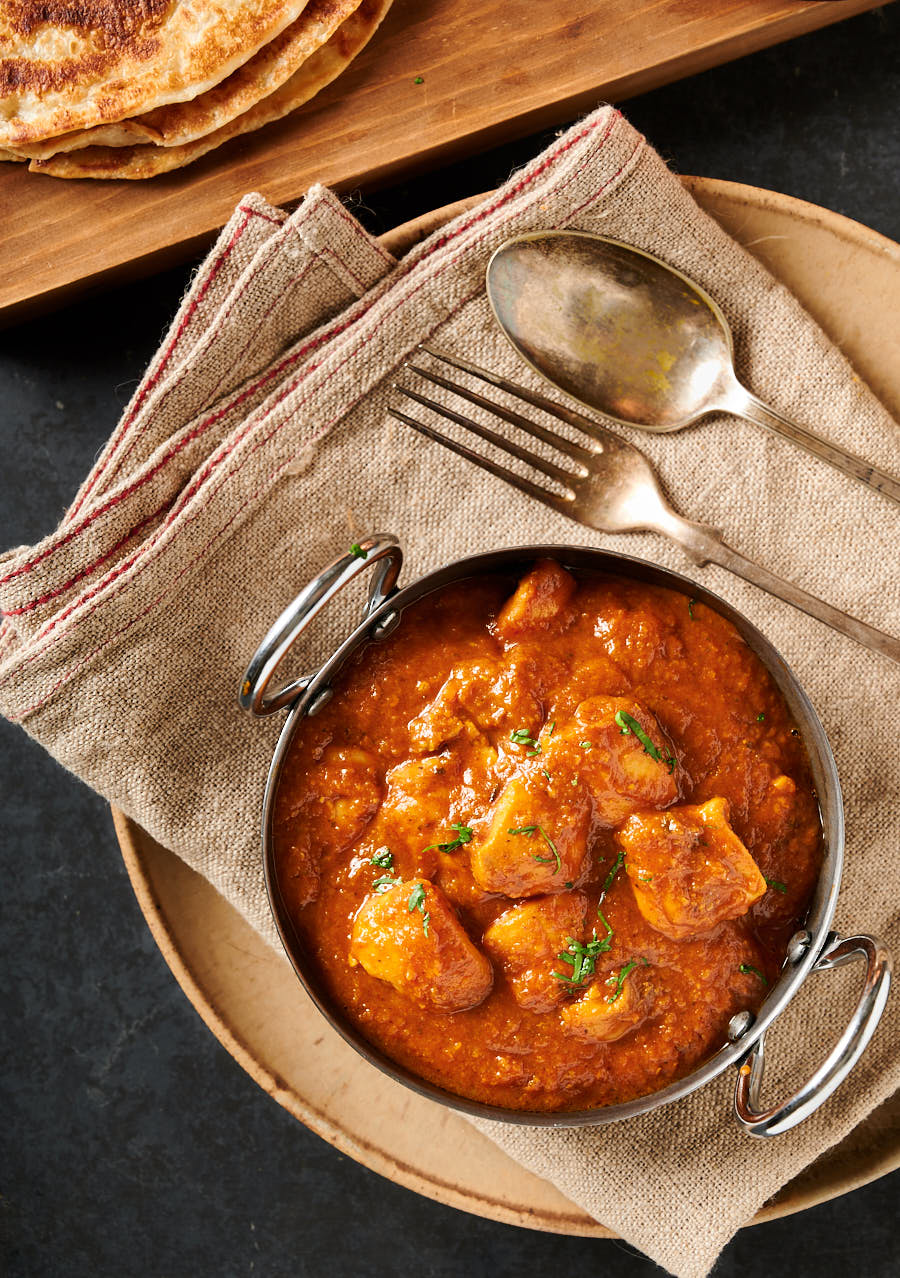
(821, 910)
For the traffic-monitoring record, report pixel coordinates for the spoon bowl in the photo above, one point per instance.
(625, 333)
(613, 327)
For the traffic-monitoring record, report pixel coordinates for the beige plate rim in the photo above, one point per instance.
(138, 850)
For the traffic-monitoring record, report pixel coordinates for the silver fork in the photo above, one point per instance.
(608, 485)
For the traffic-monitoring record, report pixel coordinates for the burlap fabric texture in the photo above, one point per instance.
(258, 445)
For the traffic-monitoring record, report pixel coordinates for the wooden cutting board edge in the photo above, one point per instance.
(379, 173)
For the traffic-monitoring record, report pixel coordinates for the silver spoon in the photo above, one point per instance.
(622, 332)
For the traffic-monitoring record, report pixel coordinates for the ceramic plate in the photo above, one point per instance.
(849, 279)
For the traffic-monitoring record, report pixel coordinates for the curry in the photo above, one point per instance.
(548, 837)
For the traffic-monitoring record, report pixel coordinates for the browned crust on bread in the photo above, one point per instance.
(73, 65)
(144, 161)
(181, 122)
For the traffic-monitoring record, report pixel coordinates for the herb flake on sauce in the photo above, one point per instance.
(463, 835)
(582, 958)
(529, 830)
(749, 970)
(617, 865)
(523, 737)
(629, 724)
(619, 981)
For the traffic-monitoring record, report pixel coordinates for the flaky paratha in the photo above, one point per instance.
(73, 64)
(134, 162)
(182, 122)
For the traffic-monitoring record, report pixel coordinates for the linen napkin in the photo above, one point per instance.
(258, 447)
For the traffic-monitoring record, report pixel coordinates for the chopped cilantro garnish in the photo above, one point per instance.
(777, 885)
(417, 902)
(463, 835)
(529, 830)
(582, 958)
(691, 603)
(749, 970)
(545, 773)
(419, 80)
(629, 725)
(584, 745)
(522, 736)
(619, 981)
(383, 858)
(760, 717)
(617, 864)
(357, 551)
(385, 883)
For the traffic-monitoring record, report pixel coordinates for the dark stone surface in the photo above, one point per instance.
(132, 1143)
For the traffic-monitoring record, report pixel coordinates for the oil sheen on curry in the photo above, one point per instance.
(548, 837)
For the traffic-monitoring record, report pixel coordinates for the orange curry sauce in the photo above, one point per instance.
(556, 738)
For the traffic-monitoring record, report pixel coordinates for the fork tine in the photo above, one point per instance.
(561, 411)
(577, 452)
(548, 468)
(462, 450)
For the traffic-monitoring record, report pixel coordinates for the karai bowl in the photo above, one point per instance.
(554, 836)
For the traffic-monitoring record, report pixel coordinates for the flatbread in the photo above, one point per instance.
(181, 122)
(73, 64)
(135, 162)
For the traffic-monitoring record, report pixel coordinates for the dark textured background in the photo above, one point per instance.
(132, 1144)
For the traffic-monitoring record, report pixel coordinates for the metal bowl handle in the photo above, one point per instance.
(381, 549)
(838, 950)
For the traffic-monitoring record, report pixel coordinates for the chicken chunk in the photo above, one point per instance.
(537, 838)
(539, 602)
(425, 795)
(345, 784)
(623, 773)
(411, 937)
(418, 798)
(486, 694)
(343, 795)
(632, 636)
(526, 942)
(611, 1008)
(688, 868)
(779, 805)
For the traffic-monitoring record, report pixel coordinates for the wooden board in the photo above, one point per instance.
(491, 70)
(247, 993)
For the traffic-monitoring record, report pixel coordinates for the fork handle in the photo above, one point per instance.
(704, 544)
(867, 635)
(744, 404)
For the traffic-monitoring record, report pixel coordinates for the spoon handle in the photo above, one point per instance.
(744, 404)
